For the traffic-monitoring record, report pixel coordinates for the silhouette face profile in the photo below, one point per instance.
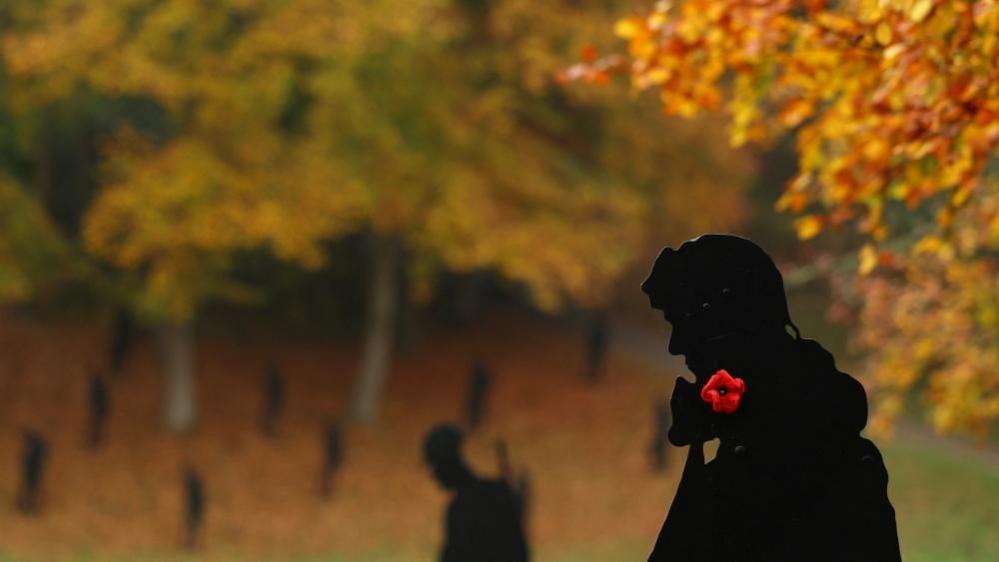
(717, 292)
(442, 453)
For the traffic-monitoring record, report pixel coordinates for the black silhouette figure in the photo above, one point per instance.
(483, 522)
(194, 507)
(332, 458)
(122, 339)
(596, 346)
(99, 407)
(33, 460)
(793, 480)
(522, 492)
(273, 399)
(660, 435)
(479, 381)
(520, 484)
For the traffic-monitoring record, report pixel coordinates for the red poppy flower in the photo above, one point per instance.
(723, 392)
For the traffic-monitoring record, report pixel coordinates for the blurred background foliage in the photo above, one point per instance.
(166, 140)
(369, 175)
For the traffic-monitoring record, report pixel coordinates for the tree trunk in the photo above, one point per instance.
(382, 310)
(180, 412)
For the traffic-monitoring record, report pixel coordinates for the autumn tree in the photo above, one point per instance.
(433, 127)
(895, 108)
(210, 166)
(475, 159)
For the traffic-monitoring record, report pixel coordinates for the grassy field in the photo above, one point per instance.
(584, 445)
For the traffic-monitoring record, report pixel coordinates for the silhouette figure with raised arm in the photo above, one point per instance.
(793, 480)
(483, 522)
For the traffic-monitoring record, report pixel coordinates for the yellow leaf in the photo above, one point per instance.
(893, 51)
(795, 112)
(920, 9)
(809, 226)
(928, 245)
(628, 27)
(883, 33)
(868, 259)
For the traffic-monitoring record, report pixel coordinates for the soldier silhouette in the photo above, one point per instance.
(332, 457)
(194, 506)
(484, 521)
(99, 408)
(793, 480)
(596, 345)
(32, 468)
(273, 399)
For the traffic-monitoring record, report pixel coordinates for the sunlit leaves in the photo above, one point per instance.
(287, 124)
(894, 104)
(899, 94)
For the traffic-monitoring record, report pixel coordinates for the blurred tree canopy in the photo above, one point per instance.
(895, 109)
(198, 130)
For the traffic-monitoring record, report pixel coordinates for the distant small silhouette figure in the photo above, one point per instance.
(33, 458)
(194, 507)
(792, 480)
(483, 521)
(99, 406)
(122, 339)
(273, 399)
(479, 382)
(660, 436)
(332, 457)
(596, 346)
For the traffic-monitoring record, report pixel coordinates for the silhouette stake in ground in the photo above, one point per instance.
(596, 346)
(99, 406)
(332, 458)
(33, 460)
(483, 521)
(793, 479)
(122, 340)
(273, 399)
(194, 507)
(479, 382)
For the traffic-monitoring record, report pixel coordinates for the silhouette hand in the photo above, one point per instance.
(690, 416)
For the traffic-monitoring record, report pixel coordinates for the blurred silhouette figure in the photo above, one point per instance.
(194, 507)
(273, 399)
(332, 458)
(660, 435)
(503, 461)
(483, 521)
(522, 492)
(479, 382)
(122, 338)
(596, 346)
(519, 485)
(99, 406)
(33, 459)
(792, 479)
